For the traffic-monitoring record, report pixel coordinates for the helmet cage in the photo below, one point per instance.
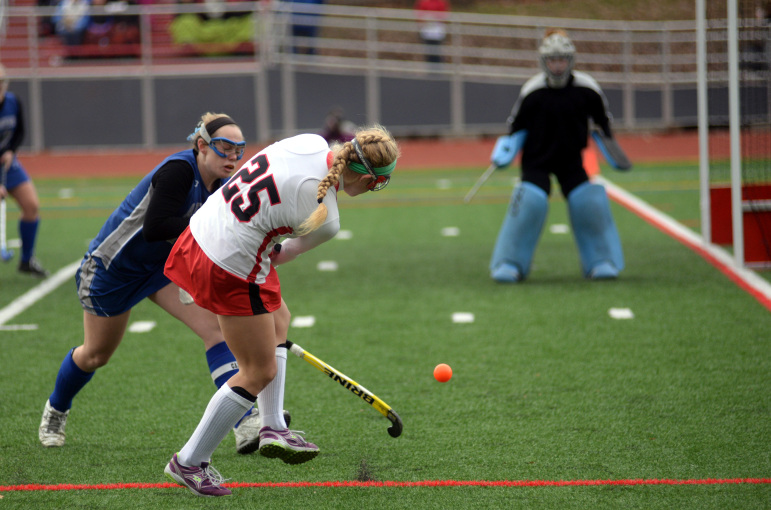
(557, 46)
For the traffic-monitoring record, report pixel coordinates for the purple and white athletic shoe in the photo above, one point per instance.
(202, 480)
(287, 445)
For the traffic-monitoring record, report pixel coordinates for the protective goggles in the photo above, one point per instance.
(382, 175)
(224, 147)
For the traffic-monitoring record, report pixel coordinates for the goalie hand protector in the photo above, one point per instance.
(507, 147)
(611, 151)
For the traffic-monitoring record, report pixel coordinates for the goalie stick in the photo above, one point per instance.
(482, 179)
(505, 150)
(5, 253)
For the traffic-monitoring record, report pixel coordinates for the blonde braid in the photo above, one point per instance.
(333, 177)
(317, 217)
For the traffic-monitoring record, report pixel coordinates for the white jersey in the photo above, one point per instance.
(267, 199)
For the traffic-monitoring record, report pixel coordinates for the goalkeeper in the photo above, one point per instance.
(550, 124)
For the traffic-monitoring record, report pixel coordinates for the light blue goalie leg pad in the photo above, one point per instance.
(595, 232)
(519, 233)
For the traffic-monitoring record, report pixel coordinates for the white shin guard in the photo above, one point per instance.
(270, 401)
(225, 408)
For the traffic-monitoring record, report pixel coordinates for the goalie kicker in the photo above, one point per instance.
(595, 232)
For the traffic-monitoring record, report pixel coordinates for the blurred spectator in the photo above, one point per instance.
(71, 20)
(432, 15)
(101, 23)
(46, 25)
(305, 24)
(336, 128)
(113, 27)
(214, 29)
(763, 13)
(755, 46)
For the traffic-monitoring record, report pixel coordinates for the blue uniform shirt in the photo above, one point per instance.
(120, 267)
(9, 113)
(11, 134)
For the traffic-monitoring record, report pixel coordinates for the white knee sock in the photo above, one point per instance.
(225, 408)
(270, 401)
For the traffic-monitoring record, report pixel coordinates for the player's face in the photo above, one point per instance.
(355, 184)
(223, 166)
(557, 65)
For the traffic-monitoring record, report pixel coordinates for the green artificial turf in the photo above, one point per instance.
(546, 385)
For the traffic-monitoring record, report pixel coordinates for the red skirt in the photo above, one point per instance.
(214, 288)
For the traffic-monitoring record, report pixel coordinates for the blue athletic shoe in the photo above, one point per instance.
(603, 271)
(506, 273)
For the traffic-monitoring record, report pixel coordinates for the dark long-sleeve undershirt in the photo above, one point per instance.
(165, 219)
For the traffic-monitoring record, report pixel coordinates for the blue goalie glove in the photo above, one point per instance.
(611, 151)
(507, 147)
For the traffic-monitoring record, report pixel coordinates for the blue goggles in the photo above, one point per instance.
(224, 147)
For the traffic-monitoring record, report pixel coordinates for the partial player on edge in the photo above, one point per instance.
(15, 182)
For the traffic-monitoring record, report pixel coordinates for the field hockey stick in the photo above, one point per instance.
(482, 179)
(357, 389)
(5, 253)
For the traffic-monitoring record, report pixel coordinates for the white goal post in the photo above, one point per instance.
(734, 128)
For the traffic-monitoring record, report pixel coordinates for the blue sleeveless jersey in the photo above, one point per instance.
(120, 268)
(120, 244)
(8, 113)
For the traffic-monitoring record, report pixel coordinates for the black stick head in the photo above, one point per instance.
(394, 430)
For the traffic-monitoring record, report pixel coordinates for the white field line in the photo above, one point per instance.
(746, 279)
(19, 327)
(37, 293)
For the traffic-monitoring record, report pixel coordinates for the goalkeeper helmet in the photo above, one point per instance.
(557, 57)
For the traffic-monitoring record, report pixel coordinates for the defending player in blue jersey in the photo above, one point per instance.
(550, 124)
(14, 179)
(124, 265)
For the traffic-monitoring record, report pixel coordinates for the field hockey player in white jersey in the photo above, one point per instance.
(225, 260)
